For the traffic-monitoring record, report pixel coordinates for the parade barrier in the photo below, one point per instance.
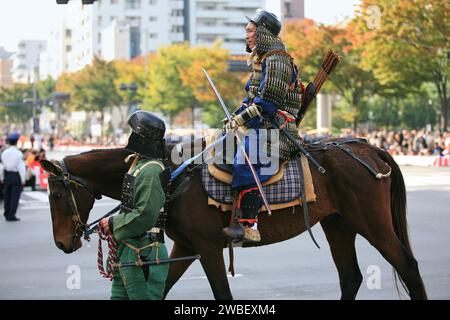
(443, 161)
(423, 161)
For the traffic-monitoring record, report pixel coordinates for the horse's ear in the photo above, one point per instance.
(50, 167)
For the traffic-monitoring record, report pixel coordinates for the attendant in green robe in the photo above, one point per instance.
(135, 227)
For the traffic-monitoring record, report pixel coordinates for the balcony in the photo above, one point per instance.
(220, 30)
(248, 4)
(176, 37)
(179, 21)
(212, 14)
(176, 5)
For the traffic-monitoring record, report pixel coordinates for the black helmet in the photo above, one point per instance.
(147, 136)
(268, 20)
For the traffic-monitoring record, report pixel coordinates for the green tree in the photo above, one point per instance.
(177, 82)
(409, 46)
(45, 88)
(11, 103)
(308, 41)
(93, 88)
(165, 92)
(130, 72)
(230, 85)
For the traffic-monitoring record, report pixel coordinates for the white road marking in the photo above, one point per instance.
(39, 200)
(237, 275)
(41, 196)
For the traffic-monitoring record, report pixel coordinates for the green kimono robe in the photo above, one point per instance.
(148, 199)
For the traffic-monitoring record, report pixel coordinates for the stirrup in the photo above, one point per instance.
(238, 233)
(234, 232)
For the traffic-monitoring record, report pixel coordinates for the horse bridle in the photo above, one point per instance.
(67, 179)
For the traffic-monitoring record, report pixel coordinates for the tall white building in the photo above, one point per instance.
(151, 23)
(220, 19)
(209, 20)
(124, 29)
(287, 9)
(26, 60)
(114, 41)
(5, 68)
(54, 61)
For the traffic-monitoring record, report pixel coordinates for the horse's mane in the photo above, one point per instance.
(99, 162)
(100, 152)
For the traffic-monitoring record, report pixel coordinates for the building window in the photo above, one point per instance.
(112, 18)
(287, 10)
(99, 37)
(134, 21)
(132, 4)
(152, 2)
(153, 35)
(99, 21)
(208, 6)
(176, 13)
(153, 19)
(68, 33)
(207, 22)
(114, 1)
(177, 29)
(135, 41)
(68, 48)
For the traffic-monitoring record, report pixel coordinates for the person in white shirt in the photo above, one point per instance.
(14, 177)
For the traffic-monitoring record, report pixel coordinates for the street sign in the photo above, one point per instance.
(36, 128)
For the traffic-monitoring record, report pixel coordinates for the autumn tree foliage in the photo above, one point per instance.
(408, 45)
(308, 41)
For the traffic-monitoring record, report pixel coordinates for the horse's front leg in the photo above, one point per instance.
(177, 269)
(214, 265)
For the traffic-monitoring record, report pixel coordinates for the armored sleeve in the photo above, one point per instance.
(149, 198)
(276, 78)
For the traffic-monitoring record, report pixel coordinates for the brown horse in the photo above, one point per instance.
(350, 201)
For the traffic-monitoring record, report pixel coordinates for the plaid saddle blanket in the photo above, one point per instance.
(286, 190)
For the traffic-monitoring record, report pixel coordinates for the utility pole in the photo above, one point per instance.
(34, 98)
(36, 131)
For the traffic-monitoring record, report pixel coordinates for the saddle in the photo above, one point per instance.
(282, 189)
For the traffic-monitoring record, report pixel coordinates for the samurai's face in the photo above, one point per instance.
(250, 35)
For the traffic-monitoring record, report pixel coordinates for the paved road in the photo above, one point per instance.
(31, 267)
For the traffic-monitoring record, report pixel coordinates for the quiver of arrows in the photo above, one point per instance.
(330, 61)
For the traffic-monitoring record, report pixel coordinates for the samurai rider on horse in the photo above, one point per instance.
(274, 94)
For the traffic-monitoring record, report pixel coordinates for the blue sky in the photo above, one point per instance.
(34, 19)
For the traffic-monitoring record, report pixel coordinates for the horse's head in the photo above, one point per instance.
(71, 199)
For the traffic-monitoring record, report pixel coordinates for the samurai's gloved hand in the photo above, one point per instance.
(239, 120)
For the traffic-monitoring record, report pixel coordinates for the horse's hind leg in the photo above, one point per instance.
(375, 224)
(177, 269)
(342, 244)
(404, 263)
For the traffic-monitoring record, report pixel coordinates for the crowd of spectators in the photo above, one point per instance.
(402, 142)
(414, 142)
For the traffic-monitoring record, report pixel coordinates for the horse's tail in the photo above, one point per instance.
(398, 209)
